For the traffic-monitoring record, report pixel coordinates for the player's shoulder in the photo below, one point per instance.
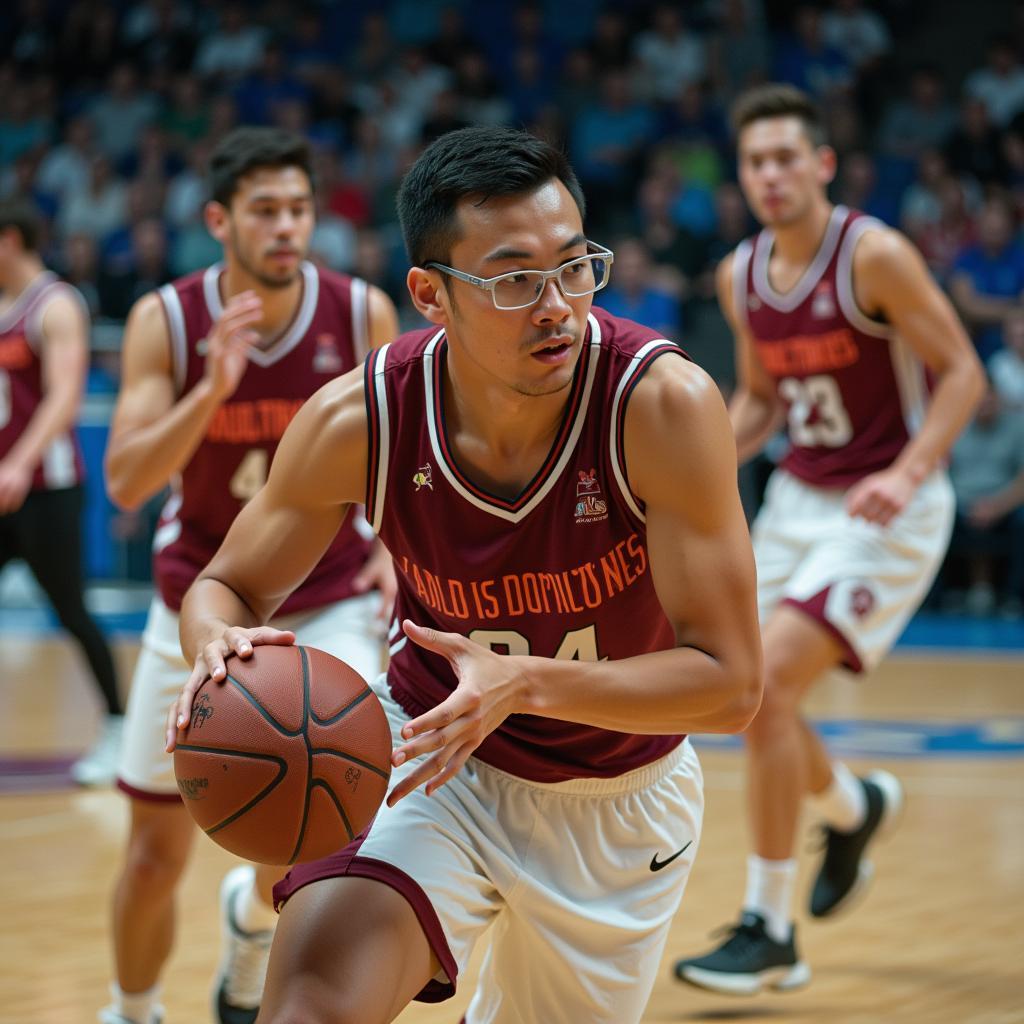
(333, 281)
(409, 347)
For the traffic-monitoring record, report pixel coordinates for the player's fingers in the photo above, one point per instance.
(214, 654)
(264, 635)
(448, 645)
(455, 762)
(448, 711)
(415, 778)
(181, 710)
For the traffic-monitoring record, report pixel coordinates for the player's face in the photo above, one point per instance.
(268, 226)
(781, 171)
(533, 350)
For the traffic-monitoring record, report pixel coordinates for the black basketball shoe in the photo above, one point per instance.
(746, 961)
(845, 873)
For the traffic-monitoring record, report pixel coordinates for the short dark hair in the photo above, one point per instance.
(777, 100)
(21, 215)
(484, 160)
(248, 149)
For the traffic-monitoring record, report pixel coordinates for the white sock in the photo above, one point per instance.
(251, 913)
(770, 893)
(843, 803)
(135, 1006)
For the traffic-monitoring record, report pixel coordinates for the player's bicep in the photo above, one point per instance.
(702, 563)
(64, 350)
(147, 382)
(382, 317)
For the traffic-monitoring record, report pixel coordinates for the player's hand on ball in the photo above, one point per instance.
(881, 497)
(490, 688)
(209, 664)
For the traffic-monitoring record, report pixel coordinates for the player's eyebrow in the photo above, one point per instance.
(506, 252)
(270, 197)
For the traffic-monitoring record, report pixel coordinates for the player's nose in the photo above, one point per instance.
(552, 304)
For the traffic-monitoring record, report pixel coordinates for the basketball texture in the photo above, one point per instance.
(288, 759)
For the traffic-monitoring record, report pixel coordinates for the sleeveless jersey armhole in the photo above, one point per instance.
(378, 434)
(631, 376)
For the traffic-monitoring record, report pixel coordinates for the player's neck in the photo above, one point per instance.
(497, 432)
(797, 244)
(280, 305)
(20, 275)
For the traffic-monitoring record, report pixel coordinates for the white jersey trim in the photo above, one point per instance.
(740, 266)
(179, 342)
(569, 447)
(786, 302)
(59, 463)
(383, 439)
(618, 463)
(299, 326)
(360, 319)
(844, 280)
(170, 530)
(22, 305)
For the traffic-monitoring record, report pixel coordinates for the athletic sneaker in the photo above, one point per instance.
(748, 959)
(244, 955)
(844, 872)
(98, 766)
(108, 1015)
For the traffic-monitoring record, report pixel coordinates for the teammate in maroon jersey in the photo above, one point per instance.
(576, 593)
(44, 355)
(837, 326)
(215, 366)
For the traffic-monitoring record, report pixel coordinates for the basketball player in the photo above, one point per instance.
(44, 357)
(576, 592)
(214, 367)
(837, 323)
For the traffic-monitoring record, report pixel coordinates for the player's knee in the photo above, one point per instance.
(156, 859)
(778, 704)
(308, 1000)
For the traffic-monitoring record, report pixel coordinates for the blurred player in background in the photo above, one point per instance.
(558, 489)
(44, 357)
(838, 328)
(215, 365)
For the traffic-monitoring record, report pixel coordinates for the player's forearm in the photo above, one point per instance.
(661, 693)
(754, 422)
(209, 607)
(54, 416)
(952, 406)
(142, 461)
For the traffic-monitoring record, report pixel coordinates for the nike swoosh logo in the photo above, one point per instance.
(657, 865)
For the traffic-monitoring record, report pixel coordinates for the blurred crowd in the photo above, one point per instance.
(111, 109)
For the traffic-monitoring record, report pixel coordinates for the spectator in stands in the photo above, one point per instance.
(668, 56)
(610, 44)
(805, 60)
(999, 85)
(942, 241)
(65, 168)
(1006, 367)
(234, 49)
(738, 53)
(858, 188)
(643, 292)
(922, 119)
(987, 280)
(860, 34)
(270, 83)
(22, 129)
(98, 209)
(145, 268)
(987, 470)
(121, 112)
(187, 118)
(974, 146)
(79, 265)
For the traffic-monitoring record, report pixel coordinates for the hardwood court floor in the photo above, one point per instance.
(938, 939)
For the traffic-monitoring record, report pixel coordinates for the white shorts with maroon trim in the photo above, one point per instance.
(861, 581)
(348, 629)
(577, 880)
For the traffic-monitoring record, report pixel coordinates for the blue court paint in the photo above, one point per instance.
(989, 737)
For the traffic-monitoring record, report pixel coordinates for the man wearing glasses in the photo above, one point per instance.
(576, 593)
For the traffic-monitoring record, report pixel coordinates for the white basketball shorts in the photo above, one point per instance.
(861, 581)
(348, 629)
(577, 881)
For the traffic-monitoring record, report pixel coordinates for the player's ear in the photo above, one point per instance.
(827, 165)
(428, 295)
(216, 218)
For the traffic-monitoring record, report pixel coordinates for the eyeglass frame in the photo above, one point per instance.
(488, 284)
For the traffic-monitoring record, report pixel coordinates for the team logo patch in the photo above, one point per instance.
(862, 601)
(753, 303)
(823, 305)
(590, 506)
(327, 358)
(423, 477)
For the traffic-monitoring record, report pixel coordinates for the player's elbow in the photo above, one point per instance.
(747, 688)
(121, 489)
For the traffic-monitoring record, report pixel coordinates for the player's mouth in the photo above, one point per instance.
(284, 255)
(554, 350)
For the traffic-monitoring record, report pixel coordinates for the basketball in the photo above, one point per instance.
(288, 759)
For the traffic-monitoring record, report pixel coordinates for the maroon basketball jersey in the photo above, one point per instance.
(21, 382)
(854, 391)
(328, 336)
(561, 571)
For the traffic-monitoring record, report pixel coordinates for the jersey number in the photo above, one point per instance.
(818, 397)
(250, 476)
(5, 399)
(576, 645)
